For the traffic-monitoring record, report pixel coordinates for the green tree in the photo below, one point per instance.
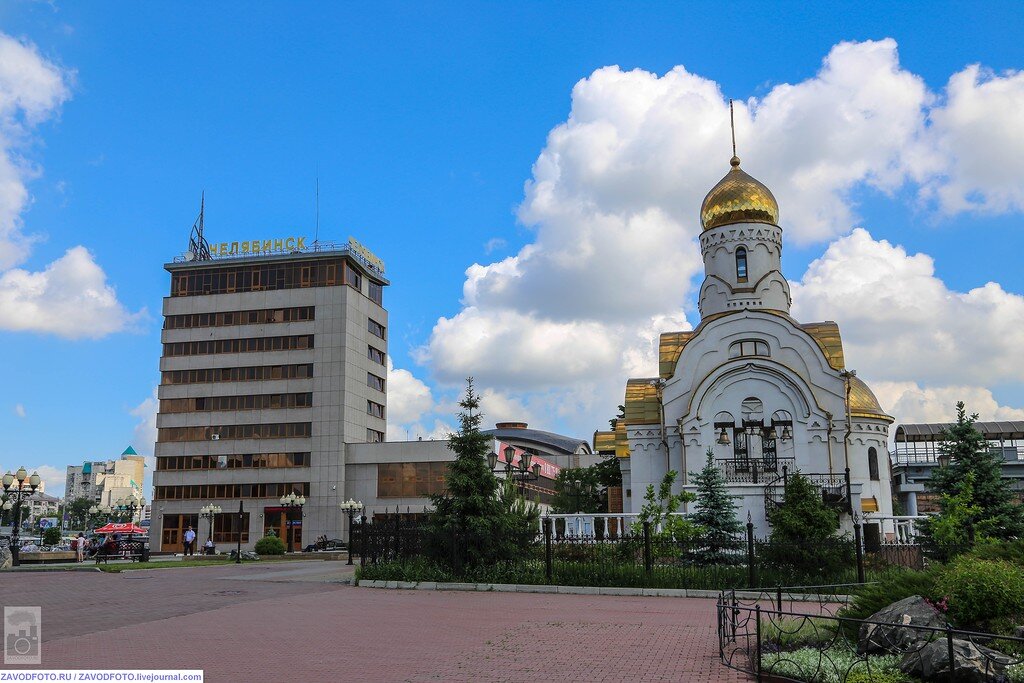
(974, 480)
(954, 530)
(608, 472)
(78, 512)
(803, 535)
(51, 536)
(715, 515)
(471, 524)
(660, 508)
(585, 497)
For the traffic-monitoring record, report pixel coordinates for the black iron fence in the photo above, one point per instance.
(635, 557)
(784, 637)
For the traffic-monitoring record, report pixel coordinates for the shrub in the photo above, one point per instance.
(982, 590)
(990, 549)
(889, 588)
(833, 665)
(51, 537)
(270, 545)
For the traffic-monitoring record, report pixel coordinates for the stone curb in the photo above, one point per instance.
(588, 590)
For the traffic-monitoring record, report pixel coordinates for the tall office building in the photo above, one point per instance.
(273, 359)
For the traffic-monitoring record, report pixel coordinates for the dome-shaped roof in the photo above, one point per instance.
(738, 198)
(863, 402)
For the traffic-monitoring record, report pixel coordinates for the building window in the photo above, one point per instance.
(244, 374)
(353, 278)
(282, 430)
(749, 347)
(228, 491)
(196, 281)
(249, 317)
(411, 479)
(873, 464)
(375, 382)
(249, 345)
(374, 354)
(375, 328)
(232, 461)
(250, 402)
(376, 293)
(374, 409)
(228, 528)
(741, 264)
(373, 436)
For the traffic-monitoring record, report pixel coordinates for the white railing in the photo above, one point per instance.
(582, 524)
(903, 528)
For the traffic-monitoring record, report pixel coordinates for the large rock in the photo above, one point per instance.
(6, 561)
(888, 639)
(970, 662)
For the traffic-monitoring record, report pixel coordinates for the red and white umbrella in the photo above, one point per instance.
(121, 528)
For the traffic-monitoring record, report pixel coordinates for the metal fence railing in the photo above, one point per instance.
(635, 556)
(772, 639)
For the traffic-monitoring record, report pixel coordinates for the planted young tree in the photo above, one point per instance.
(972, 480)
(660, 508)
(470, 525)
(715, 515)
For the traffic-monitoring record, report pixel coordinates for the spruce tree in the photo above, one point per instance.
(977, 469)
(715, 515)
(471, 523)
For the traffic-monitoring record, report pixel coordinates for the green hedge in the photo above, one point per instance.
(270, 545)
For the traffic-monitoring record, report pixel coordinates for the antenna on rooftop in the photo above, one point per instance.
(198, 247)
(316, 234)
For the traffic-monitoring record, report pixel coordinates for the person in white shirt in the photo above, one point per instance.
(190, 542)
(80, 547)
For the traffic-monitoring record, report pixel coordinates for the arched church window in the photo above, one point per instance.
(749, 347)
(741, 264)
(873, 464)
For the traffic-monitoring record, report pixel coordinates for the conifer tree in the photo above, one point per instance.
(715, 515)
(472, 522)
(974, 477)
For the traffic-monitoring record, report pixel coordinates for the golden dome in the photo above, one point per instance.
(863, 402)
(738, 198)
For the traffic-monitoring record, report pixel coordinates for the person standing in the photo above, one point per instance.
(80, 547)
(190, 542)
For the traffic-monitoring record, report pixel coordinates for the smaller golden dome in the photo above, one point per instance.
(738, 198)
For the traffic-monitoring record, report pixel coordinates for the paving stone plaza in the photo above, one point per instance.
(301, 621)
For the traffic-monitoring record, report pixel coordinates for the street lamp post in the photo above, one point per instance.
(292, 503)
(99, 510)
(209, 512)
(18, 487)
(128, 506)
(238, 548)
(350, 506)
(522, 474)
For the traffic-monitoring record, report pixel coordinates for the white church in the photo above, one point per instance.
(767, 394)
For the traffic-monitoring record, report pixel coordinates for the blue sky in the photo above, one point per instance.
(423, 122)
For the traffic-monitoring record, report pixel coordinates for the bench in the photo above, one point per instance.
(136, 551)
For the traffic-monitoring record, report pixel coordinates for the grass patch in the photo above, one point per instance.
(135, 566)
(792, 633)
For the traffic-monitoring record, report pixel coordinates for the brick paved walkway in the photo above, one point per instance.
(262, 623)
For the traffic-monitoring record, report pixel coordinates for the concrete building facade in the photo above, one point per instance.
(273, 360)
(105, 481)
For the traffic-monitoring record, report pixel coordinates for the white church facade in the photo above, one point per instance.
(767, 394)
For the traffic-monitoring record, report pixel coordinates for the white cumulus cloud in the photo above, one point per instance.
(614, 200)
(19, 410)
(70, 297)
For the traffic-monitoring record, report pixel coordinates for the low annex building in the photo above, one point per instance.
(760, 389)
